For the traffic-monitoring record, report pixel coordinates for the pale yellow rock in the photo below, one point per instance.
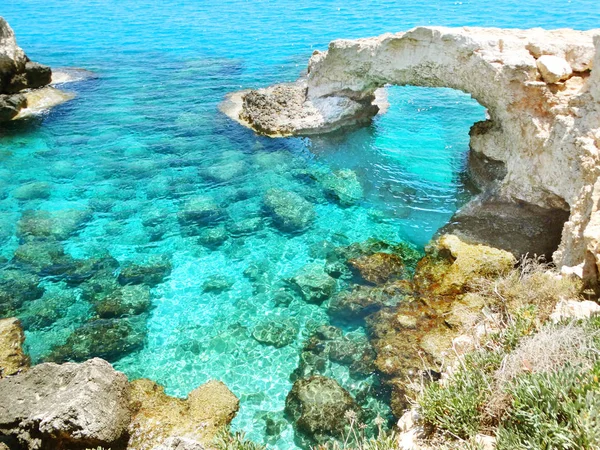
(40, 100)
(159, 418)
(471, 261)
(12, 358)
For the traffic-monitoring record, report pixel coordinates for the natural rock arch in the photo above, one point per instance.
(539, 87)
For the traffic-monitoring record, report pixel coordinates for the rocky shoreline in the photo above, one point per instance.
(89, 404)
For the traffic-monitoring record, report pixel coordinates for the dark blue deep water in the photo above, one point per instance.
(113, 168)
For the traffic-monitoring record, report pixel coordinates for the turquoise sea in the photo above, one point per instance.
(110, 172)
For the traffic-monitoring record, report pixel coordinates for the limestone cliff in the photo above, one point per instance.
(539, 150)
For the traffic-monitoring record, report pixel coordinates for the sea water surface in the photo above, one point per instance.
(144, 136)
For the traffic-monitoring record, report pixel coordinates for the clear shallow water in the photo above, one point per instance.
(141, 138)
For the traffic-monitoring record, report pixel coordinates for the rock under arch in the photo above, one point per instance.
(543, 98)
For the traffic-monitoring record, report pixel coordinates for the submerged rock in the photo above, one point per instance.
(378, 268)
(43, 257)
(314, 284)
(66, 406)
(12, 358)
(343, 186)
(200, 211)
(56, 225)
(217, 283)
(163, 422)
(288, 210)
(151, 273)
(213, 237)
(362, 301)
(105, 338)
(17, 287)
(278, 332)
(126, 301)
(320, 408)
(222, 173)
(245, 227)
(329, 344)
(52, 306)
(33, 191)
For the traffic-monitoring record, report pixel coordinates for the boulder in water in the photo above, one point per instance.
(277, 333)
(343, 186)
(222, 173)
(17, 287)
(200, 211)
(56, 225)
(288, 210)
(314, 284)
(151, 273)
(104, 338)
(129, 300)
(320, 408)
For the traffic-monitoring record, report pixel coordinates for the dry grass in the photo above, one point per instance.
(548, 350)
(533, 283)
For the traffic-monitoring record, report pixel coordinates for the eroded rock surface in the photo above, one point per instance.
(12, 358)
(66, 406)
(540, 88)
(163, 422)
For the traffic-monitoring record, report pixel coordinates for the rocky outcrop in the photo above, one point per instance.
(21, 80)
(541, 141)
(12, 358)
(163, 422)
(429, 313)
(66, 406)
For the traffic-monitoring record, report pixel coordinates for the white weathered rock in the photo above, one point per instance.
(65, 406)
(547, 139)
(553, 68)
(463, 344)
(486, 442)
(407, 421)
(12, 57)
(574, 309)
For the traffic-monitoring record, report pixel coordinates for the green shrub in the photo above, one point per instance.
(556, 410)
(457, 407)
